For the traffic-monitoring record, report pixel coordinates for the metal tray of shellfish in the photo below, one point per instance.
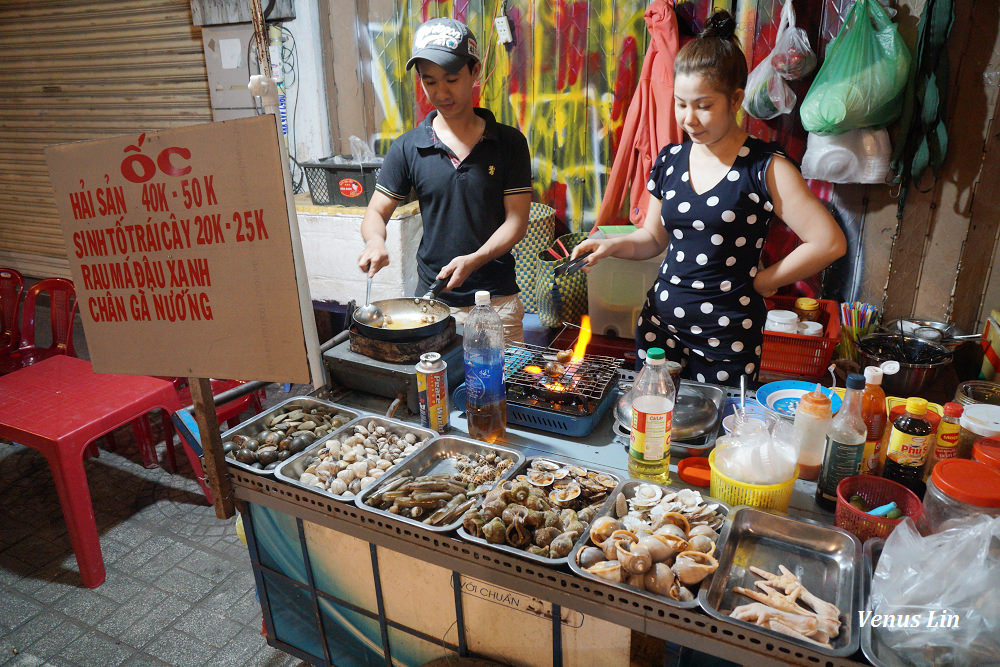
(434, 487)
(541, 511)
(310, 425)
(820, 566)
(343, 463)
(655, 540)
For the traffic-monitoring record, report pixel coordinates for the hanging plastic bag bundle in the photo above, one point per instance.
(863, 77)
(767, 95)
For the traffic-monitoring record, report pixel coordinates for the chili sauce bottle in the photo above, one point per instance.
(946, 444)
(908, 444)
(845, 443)
(874, 415)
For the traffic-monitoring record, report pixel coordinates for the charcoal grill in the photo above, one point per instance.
(571, 402)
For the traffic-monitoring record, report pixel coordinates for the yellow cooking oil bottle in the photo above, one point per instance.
(652, 418)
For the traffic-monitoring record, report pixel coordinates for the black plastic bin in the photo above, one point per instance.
(340, 184)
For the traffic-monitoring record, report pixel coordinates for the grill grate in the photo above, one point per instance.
(590, 377)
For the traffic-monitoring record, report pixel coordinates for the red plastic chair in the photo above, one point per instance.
(62, 309)
(227, 413)
(11, 288)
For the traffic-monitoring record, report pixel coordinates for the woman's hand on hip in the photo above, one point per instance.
(762, 283)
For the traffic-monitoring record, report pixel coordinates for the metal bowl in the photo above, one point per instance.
(919, 361)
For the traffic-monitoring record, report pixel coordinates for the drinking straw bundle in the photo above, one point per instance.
(856, 320)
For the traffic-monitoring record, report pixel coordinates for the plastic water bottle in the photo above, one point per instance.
(652, 419)
(485, 392)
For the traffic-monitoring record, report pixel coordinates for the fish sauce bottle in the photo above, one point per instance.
(485, 392)
(874, 414)
(845, 443)
(908, 445)
(652, 419)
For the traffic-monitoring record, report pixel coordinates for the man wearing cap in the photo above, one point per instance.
(472, 177)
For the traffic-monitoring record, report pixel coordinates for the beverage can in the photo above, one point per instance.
(432, 391)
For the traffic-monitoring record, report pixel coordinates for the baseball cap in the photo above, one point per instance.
(445, 42)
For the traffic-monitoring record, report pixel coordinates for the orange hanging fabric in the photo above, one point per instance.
(650, 123)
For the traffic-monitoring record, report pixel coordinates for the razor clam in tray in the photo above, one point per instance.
(541, 511)
(655, 540)
(352, 458)
(261, 443)
(438, 483)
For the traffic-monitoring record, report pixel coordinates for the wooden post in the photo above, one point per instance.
(213, 460)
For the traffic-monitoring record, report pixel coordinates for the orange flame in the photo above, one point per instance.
(532, 369)
(583, 340)
(555, 386)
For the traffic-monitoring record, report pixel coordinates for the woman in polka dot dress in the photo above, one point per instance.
(712, 198)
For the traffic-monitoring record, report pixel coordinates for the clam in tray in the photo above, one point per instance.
(352, 458)
(262, 443)
(654, 539)
(437, 484)
(541, 511)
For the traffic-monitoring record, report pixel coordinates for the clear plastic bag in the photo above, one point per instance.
(940, 594)
(855, 156)
(361, 151)
(792, 57)
(767, 95)
(863, 77)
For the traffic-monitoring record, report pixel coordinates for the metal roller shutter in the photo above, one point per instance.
(74, 70)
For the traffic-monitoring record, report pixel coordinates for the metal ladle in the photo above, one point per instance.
(369, 313)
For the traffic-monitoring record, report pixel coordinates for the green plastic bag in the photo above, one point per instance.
(863, 76)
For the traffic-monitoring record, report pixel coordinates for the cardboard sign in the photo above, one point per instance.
(181, 250)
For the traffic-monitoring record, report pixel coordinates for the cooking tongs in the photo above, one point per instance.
(572, 266)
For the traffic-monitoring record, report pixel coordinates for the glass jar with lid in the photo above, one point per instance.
(978, 421)
(807, 309)
(959, 489)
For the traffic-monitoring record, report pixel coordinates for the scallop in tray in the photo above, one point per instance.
(541, 511)
(793, 578)
(654, 540)
(438, 483)
(260, 444)
(353, 457)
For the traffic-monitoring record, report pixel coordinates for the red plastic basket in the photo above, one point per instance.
(798, 355)
(876, 491)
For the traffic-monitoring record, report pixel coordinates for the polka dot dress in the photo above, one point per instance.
(703, 309)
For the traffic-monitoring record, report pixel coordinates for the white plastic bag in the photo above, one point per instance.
(941, 594)
(856, 156)
(767, 95)
(792, 57)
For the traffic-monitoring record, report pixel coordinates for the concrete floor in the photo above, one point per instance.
(179, 588)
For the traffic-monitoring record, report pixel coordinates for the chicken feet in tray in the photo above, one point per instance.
(795, 625)
(778, 608)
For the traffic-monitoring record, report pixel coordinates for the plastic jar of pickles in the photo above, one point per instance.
(959, 489)
(978, 421)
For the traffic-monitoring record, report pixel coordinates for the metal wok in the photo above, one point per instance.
(407, 316)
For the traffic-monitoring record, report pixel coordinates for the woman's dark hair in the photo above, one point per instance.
(715, 54)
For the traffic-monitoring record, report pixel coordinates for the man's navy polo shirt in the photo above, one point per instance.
(460, 207)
